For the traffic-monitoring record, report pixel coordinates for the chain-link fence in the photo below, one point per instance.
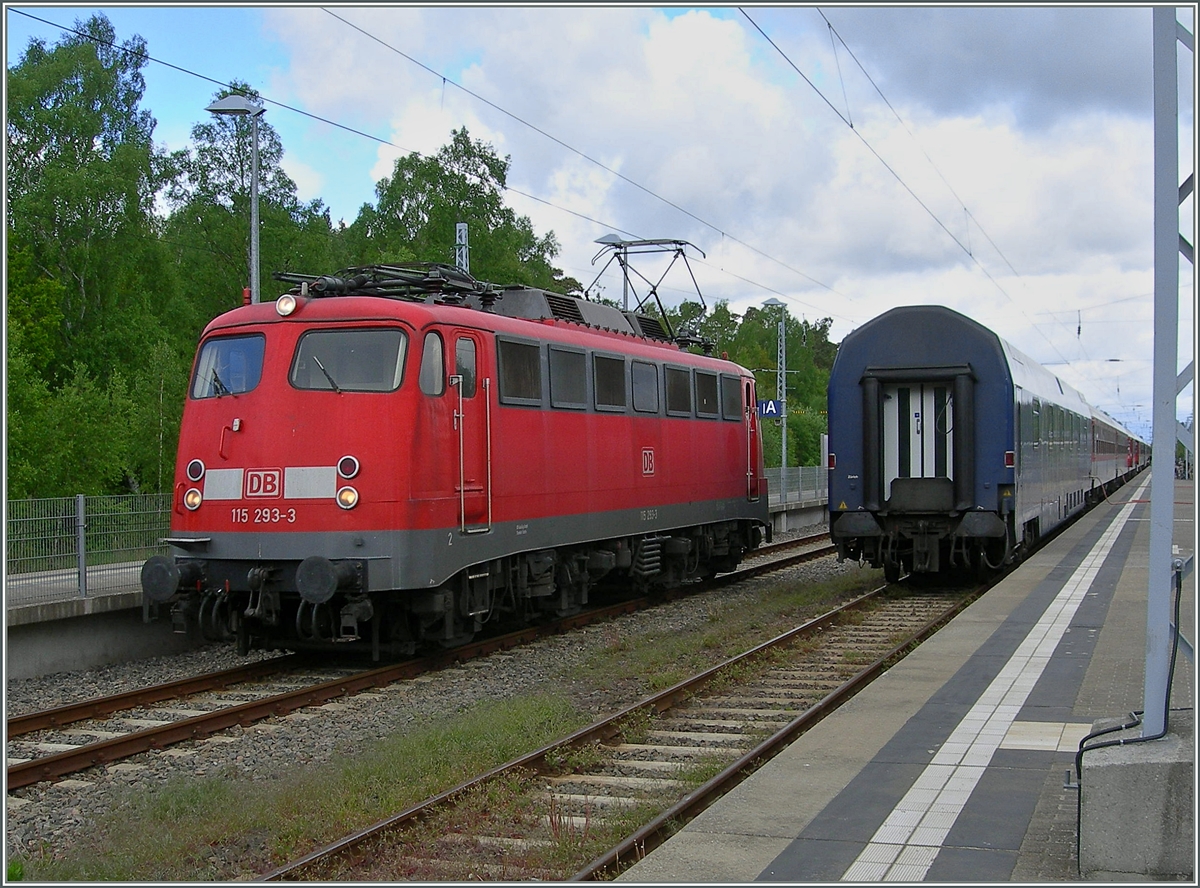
(68, 547)
(799, 484)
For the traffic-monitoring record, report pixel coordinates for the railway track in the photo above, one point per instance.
(597, 801)
(52, 744)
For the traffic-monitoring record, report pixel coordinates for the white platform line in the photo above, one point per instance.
(904, 847)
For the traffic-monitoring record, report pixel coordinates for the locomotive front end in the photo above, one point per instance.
(289, 466)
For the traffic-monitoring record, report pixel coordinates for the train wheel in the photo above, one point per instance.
(891, 571)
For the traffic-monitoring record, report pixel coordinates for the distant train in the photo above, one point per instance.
(951, 449)
(395, 456)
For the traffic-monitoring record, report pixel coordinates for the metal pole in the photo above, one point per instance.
(254, 283)
(1166, 333)
(781, 393)
(81, 543)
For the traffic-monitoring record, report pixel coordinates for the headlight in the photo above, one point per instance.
(347, 497)
(192, 499)
(286, 304)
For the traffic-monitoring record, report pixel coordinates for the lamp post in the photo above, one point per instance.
(238, 105)
(781, 391)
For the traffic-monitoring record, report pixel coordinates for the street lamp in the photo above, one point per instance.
(238, 105)
(781, 391)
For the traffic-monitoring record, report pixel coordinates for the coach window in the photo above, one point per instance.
(349, 360)
(520, 372)
(568, 378)
(731, 397)
(229, 365)
(679, 391)
(645, 387)
(608, 376)
(1037, 422)
(433, 366)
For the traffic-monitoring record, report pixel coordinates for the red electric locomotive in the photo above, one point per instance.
(398, 455)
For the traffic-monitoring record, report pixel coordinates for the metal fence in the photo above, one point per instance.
(799, 484)
(83, 545)
(73, 547)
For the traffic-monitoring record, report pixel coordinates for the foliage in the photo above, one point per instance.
(420, 204)
(119, 254)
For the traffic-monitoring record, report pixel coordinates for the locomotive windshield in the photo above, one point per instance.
(358, 360)
(230, 365)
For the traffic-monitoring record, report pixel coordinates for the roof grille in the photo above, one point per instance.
(650, 326)
(564, 308)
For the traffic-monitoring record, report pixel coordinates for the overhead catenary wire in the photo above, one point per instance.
(584, 155)
(901, 181)
(383, 141)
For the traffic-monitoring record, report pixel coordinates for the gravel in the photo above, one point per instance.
(55, 815)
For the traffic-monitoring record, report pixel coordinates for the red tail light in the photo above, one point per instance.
(1010, 459)
(832, 461)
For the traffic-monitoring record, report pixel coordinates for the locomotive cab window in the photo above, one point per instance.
(350, 360)
(609, 376)
(706, 394)
(679, 391)
(432, 378)
(464, 365)
(731, 397)
(568, 378)
(645, 387)
(520, 372)
(229, 365)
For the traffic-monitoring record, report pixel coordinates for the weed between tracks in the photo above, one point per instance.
(225, 826)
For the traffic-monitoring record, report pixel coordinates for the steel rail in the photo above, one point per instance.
(57, 765)
(98, 707)
(603, 729)
(654, 833)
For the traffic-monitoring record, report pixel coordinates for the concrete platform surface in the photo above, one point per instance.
(951, 766)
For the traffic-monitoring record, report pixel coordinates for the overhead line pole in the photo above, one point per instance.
(1166, 31)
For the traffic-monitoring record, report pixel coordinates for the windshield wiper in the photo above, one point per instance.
(327, 376)
(219, 388)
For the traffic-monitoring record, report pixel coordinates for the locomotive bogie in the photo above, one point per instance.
(390, 473)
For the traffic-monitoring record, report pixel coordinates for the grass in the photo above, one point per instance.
(187, 829)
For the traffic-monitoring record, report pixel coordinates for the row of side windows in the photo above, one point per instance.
(578, 380)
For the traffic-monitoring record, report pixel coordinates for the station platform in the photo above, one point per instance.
(952, 766)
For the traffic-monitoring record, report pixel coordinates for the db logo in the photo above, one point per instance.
(264, 482)
(648, 461)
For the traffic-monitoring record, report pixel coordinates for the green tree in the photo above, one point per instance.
(420, 204)
(82, 177)
(209, 227)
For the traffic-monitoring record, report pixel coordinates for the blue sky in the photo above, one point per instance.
(1024, 133)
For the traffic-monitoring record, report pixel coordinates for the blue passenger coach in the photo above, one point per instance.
(950, 448)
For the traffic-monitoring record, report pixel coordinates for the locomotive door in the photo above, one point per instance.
(473, 427)
(753, 447)
(918, 440)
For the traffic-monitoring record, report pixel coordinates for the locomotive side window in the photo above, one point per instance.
(351, 360)
(464, 365)
(520, 372)
(679, 391)
(609, 376)
(230, 365)
(706, 394)
(645, 387)
(432, 378)
(568, 378)
(731, 397)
